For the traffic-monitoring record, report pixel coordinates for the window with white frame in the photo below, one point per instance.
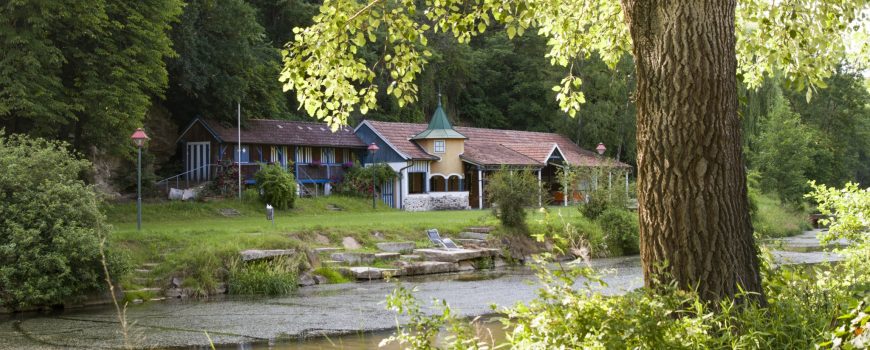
(439, 146)
(303, 155)
(327, 155)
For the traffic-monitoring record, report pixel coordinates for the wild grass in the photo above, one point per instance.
(332, 275)
(774, 219)
(269, 277)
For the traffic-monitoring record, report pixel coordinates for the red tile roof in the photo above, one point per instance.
(285, 132)
(492, 146)
(495, 154)
(399, 136)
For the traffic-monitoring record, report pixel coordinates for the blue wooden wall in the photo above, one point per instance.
(385, 154)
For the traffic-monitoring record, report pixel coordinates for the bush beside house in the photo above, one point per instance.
(277, 186)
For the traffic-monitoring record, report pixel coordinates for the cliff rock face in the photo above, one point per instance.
(114, 173)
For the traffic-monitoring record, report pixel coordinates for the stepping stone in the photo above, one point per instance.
(455, 255)
(142, 271)
(368, 273)
(473, 243)
(350, 243)
(354, 258)
(330, 263)
(428, 267)
(480, 229)
(149, 265)
(410, 257)
(466, 266)
(396, 247)
(387, 256)
(327, 250)
(229, 212)
(321, 239)
(256, 254)
(474, 235)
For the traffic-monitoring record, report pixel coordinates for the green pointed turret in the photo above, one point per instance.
(439, 127)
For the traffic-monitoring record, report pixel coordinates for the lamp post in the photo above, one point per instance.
(373, 148)
(139, 138)
(601, 149)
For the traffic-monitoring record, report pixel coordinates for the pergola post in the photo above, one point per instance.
(565, 189)
(540, 190)
(626, 184)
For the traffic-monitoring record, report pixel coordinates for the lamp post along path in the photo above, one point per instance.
(139, 138)
(600, 149)
(373, 148)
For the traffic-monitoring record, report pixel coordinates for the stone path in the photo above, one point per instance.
(321, 309)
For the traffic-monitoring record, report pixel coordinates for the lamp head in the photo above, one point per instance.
(601, 148)
(139, 137)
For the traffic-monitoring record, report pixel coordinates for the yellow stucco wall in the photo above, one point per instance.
(450, 162)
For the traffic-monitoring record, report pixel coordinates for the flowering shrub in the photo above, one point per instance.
(357, 181)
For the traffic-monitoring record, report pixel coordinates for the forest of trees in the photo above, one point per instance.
(90, 73)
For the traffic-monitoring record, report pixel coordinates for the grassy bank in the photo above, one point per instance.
(195, 241)
(774, 219)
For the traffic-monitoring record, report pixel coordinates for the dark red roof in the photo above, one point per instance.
(399, 136)
(286, 132)
(492, 146)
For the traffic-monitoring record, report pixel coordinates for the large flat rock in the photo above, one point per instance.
(396, 247)
(353, 258)
(257, 254)
(368, 273)
(428, 268)
(455, 255)
(474, 235)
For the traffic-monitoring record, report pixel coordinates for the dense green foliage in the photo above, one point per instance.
(784, 147)
(620, 229)
(83, 71)
(277, 186)
(839, 117)
(789, 140)
(50, 225)
(510, 192)
(224, 58)
(849, 208)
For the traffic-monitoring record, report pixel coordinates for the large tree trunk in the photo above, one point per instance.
(691, 180)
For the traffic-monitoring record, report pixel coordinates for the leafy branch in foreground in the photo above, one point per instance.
(327, 68)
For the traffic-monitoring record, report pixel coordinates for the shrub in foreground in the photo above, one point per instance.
(50, 225)
(621, 231)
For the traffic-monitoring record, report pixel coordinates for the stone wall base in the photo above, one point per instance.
(436, 201)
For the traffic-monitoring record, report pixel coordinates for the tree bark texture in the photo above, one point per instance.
(691, 179)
